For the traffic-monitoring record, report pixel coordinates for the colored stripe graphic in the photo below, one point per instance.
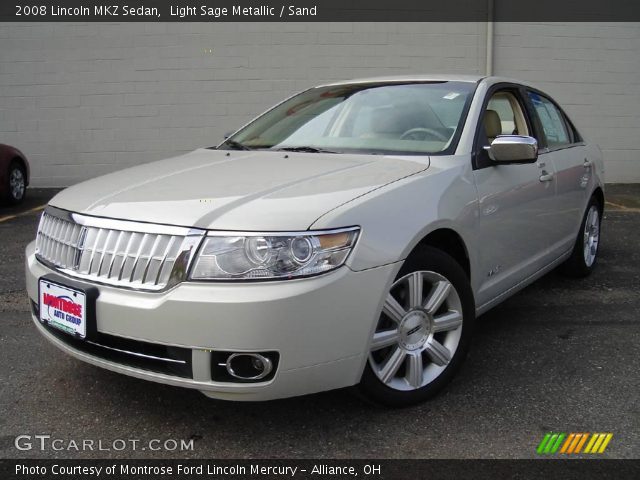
(543, 443)
(578, 441)
(607, 439)
(555, 448)
(598, 442)
(592, 440)
(572, 443)
(596, 445)
(551, 443)
(581, 443)
(568, 442)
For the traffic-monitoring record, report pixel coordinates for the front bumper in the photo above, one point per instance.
(320, 327)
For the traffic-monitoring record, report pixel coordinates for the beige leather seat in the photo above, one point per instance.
(492, 125)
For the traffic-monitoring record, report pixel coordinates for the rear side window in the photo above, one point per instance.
(552, 121)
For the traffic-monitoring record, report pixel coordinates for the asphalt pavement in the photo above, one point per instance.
(563, 355)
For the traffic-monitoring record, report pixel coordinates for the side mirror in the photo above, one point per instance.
(513, 149)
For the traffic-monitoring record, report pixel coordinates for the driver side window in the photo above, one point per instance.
(504, 116)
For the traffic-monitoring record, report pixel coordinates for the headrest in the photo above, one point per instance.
(492, 124)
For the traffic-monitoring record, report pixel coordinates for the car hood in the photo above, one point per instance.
(237, 190)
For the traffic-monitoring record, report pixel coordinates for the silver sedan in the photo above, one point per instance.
(349, 236)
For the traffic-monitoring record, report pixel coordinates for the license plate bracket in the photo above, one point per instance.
(68, 306)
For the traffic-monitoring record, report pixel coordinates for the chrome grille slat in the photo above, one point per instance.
(137, 257)
(164, 257)
(74, 251)
(55, 234)
(41, 244)
(93, 249)
(49, 236)
(40, 237)
(64, 249)
(130, 255)
(60, 238)
(114, 253)
(150, 259)
(65, 233)
(126, 255)
(103, 252)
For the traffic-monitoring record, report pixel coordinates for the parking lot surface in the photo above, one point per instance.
(563, 355)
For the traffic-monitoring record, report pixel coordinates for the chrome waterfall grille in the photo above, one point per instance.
(116, 252)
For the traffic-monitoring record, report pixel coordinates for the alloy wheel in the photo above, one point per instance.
(418, 332)
(16, 183)
(591, 235)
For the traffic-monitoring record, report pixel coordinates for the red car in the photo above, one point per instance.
(14, 174)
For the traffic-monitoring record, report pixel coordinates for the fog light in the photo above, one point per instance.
(248, 366)
(257, 364)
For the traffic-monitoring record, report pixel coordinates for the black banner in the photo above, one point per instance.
(318, 10)
(320, 469)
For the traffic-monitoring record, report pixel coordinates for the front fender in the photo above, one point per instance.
(396, 218)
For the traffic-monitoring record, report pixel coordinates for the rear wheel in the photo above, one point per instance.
(16, 183)
(585, 251)
(423, 332)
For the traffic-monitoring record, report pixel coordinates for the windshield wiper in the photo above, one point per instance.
(304, 149)
(232, 144)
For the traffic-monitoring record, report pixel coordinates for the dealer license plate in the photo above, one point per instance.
(63, 307)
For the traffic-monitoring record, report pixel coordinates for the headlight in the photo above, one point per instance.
(264, 256)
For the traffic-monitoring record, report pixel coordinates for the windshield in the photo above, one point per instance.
(413, 118)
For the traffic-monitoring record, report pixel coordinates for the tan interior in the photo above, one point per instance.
(494, 125)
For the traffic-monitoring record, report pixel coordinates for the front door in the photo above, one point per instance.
(514, 202)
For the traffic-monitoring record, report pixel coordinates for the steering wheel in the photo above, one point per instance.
(422, 133)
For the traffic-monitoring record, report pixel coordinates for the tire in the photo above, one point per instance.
(416, 362)
(16, 186)
(584, 256)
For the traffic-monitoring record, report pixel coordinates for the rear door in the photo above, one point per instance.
(563, 148)
(514, 200)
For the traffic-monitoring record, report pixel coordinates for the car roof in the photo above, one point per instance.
(429, 78)
(410, 78)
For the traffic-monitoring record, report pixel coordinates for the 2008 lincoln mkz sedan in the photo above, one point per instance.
(348, 236)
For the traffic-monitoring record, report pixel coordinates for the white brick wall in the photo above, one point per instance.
(86, 99)
(593, 71)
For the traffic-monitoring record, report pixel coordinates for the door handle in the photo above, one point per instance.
(546, 177)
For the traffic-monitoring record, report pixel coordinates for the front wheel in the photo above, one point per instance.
(423, 332)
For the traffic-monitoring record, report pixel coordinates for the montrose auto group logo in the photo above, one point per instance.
(63, 307)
